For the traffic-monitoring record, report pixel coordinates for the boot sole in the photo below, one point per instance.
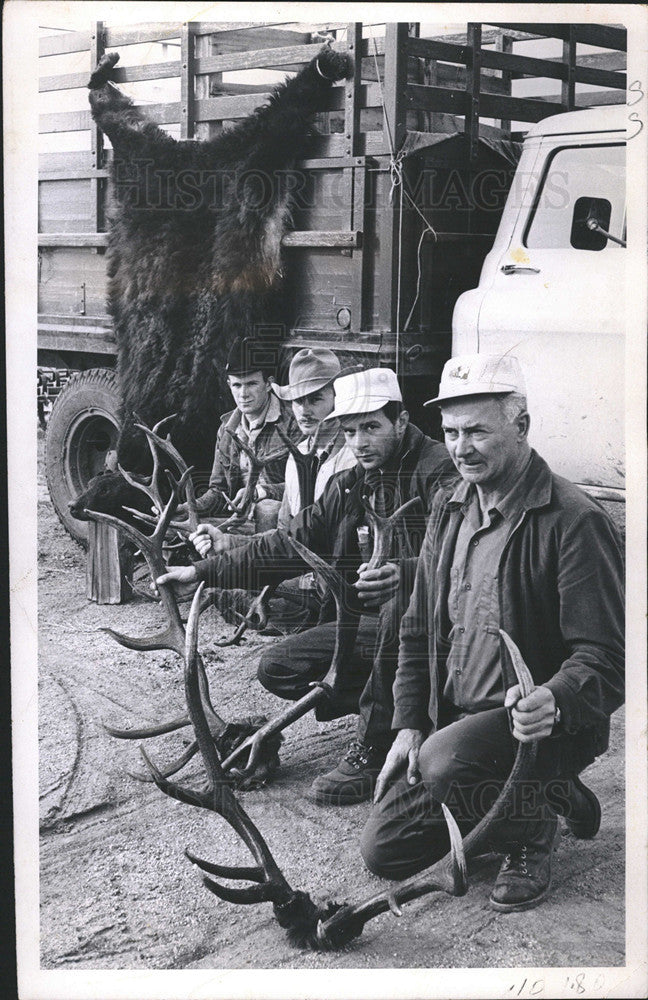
(331, 799)
(517, 907)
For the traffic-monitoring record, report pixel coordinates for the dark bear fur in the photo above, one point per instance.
(194, 257)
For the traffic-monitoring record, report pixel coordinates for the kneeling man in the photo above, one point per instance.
(515, 547)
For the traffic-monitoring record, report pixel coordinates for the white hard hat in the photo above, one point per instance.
(479, 374)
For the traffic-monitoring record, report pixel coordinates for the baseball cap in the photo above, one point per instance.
(479, 374)
(364, 392)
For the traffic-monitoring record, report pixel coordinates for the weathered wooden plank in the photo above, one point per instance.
(605, 36)
(70, 41)
(58, 340)
(73, 239)
(319, 238)
(64, 121)
(473, 95)
(256, 35)
(455, 76)
(359, 264)
(74, 121)
(428, 48)
(74, 160)
(261, 58)
(65, 81)
(187, 96)
(221, 89)
(599, 77)
(72, 282)
(229, 108)
(489, 36)
(611, 62)
(87, 173)
(491, 105)
(524, 65)
(96, 136)
(590, 99)
(505, 44)
(66, 206)
(99, 325)
(152, 32)
(517, 108)
(388, 224)
(109, 564)
(568, 87)
(121, 74)
(353, 97)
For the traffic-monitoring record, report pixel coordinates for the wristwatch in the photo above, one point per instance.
(557, 717)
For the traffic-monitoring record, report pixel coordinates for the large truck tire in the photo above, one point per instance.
(81, 431)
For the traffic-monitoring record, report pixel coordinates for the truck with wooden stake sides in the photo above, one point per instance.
(473, 172)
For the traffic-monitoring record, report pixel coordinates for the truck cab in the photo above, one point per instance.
(552, 293)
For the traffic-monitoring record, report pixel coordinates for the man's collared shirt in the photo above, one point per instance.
(474, 677)
(249, 430)
(334, 457)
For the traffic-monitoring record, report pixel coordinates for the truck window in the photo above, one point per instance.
(579, 182)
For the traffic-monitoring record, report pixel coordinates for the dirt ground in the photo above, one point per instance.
(116, 889)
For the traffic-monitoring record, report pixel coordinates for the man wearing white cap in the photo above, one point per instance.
(395, 462)
(517, 548)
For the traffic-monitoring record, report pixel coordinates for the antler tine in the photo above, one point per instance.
(165, 445)
(383, 529)
(293, 447)
(254, 874)
(345, 636)
(172, 768)
(332, 577)
(221, 798)
(143, 732)
(448, 873)
(257, 464)
(257, 617)
(182, 527)
(140, 483)
(160, 424)
(241, 445)
(256, 742)
(522, 672)
(169, 509)
(154, 491)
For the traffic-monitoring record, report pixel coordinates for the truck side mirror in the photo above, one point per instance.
(583, 235)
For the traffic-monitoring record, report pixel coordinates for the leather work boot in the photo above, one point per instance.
(582, 811)
(525, 876)
(352, 780)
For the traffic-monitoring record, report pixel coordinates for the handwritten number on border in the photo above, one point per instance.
(636, 90)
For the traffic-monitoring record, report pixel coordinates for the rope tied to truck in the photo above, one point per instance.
(398, 183)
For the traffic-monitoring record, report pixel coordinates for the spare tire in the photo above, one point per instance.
(82, 429)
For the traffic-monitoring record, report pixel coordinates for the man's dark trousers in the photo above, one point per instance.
(289, 668)
(465, 765)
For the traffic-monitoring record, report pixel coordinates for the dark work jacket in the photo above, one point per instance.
(226, 476)
(561, 600)
(328, 527)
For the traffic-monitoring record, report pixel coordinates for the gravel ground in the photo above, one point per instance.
(116, 890)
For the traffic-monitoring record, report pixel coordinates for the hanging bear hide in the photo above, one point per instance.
(194, 258)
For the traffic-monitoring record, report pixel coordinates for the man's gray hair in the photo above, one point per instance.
(512, 406)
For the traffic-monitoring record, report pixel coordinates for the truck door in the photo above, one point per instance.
(557, 302)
